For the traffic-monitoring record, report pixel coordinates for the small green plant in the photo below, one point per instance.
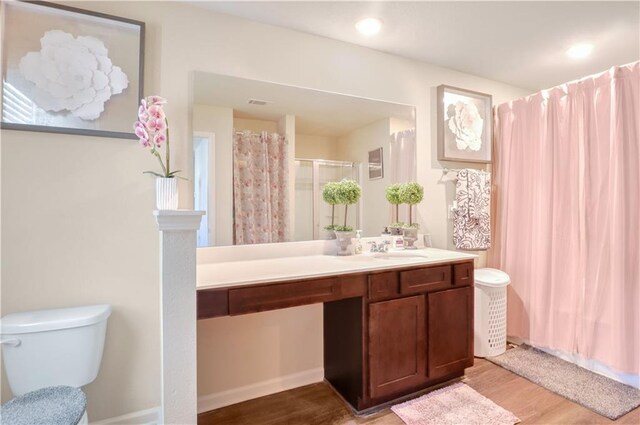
(339, 228)
(397, 224)
(330, 196)
(392, 193)
(348, 192)
(411, 193)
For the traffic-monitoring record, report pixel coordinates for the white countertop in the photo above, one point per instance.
(239, 273)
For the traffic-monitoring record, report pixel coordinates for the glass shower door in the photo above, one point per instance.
(312, 214)
(304, 228)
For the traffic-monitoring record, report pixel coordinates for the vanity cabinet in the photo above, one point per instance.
(450, 331)
(397, 345)
(387, 334)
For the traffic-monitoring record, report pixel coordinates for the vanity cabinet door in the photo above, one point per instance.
(450, 331)
(397, 345)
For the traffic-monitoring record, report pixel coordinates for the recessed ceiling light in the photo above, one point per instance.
(580, 51)
(369, 26)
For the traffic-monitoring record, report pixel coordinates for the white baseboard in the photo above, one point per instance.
(142, 417)
(259, 389)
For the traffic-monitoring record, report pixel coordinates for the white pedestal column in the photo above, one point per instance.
(178, 314)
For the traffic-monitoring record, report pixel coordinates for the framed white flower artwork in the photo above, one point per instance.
(68, 70)
(465, 125)
(376, 165)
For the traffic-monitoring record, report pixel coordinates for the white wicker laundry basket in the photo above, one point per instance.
(490, 334)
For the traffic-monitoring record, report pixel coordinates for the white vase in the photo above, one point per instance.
(410, 236)
(343, 240)
(166, 193)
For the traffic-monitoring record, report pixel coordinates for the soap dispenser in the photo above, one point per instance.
(386, 236)
(358, 247)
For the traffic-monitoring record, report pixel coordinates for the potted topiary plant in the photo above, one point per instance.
(392, 193)
(411, 193)
(330, 196)
(348, 192)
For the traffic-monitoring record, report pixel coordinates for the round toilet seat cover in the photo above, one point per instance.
(60, 405)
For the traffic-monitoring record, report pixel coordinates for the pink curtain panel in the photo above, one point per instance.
(567, 183)
(260, 188)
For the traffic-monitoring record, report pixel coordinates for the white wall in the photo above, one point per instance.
(76, 212)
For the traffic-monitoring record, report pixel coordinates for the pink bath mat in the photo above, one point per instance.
(456, 404)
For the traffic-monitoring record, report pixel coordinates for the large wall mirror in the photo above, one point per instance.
(263, 153)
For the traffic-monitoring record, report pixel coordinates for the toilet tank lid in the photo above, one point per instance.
(49, 320)
(491, 277)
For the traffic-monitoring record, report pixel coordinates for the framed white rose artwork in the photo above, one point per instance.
(465, 125)
(68, 70)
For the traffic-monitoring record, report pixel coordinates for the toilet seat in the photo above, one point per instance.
(61, 405)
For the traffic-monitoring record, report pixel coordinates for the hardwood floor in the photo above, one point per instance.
(317, 404)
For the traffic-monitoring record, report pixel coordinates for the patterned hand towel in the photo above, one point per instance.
(472, 216)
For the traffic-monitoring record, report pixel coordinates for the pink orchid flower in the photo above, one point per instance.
(156, 125)
(152, 131)
(155, 111)
(140, 131)
(159, 139)
(143, 115)
(156, 100)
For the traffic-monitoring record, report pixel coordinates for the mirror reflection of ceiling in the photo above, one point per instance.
(317, 113)
(522, 43)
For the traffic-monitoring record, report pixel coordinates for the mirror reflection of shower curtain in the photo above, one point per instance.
(402, 154)
(260, 188)
(312, 213)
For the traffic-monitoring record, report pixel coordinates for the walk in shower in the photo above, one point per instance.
(312, 214)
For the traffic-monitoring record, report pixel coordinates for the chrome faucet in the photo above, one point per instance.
(379, 247)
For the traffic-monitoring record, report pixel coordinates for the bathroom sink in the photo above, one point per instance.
(399, 254)
(364, 258)
(373, 257)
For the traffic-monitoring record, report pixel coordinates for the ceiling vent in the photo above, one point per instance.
(257, 102)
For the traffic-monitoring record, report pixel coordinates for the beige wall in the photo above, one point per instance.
(77, 228)
(219, 121)
(76, 211)
(397, 124)
(355, 147)
(242, 124)
(317, 147)
(243, 350)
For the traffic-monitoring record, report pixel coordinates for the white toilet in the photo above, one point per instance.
(49, 348)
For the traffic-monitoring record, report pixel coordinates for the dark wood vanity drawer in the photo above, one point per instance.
(283, 295)
(383, 285)
(425, 280)
(212, 303)
(463, 274)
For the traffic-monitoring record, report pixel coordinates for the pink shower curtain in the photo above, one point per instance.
(567, 180)
(260, 188)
